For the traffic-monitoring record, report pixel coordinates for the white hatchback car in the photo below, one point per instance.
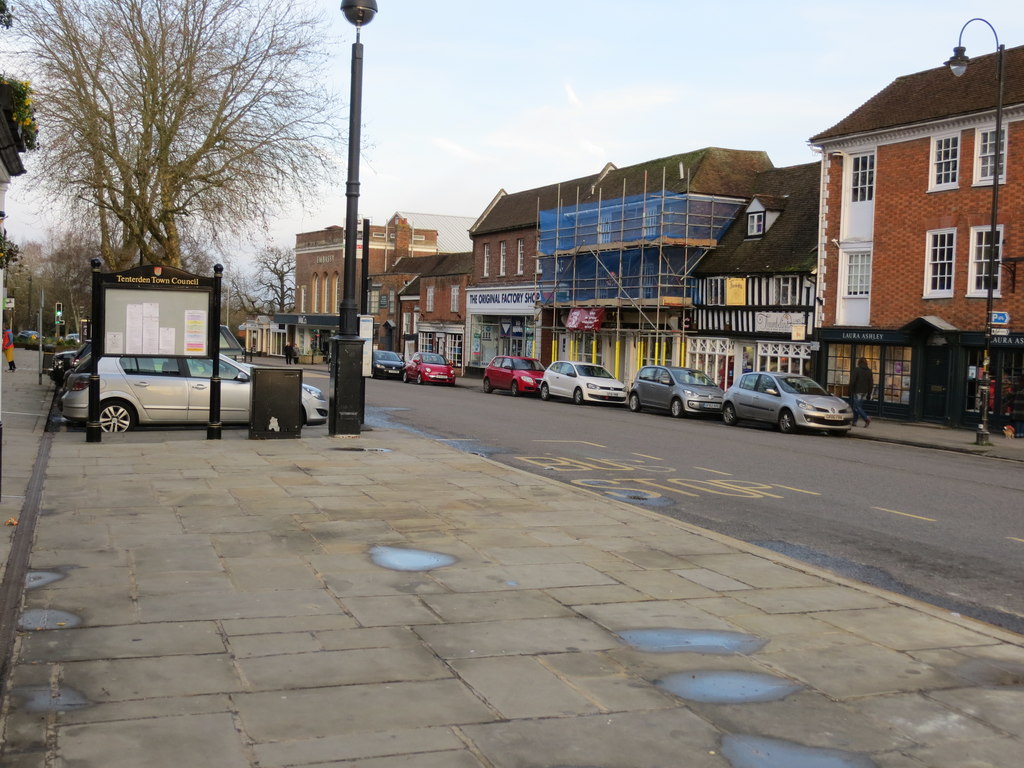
(582, 383)
(170, 390)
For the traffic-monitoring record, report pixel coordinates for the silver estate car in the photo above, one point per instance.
(788, 400)
(170, 390)
(676, 390)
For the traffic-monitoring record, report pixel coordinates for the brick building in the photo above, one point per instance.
(906, 215)
(441, 326)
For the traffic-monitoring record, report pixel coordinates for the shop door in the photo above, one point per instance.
(936, 384)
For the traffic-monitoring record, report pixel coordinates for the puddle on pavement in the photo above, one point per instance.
(669, 640)
(727, 687)
(365, 450)
(40, 699)
(646, 501)
(35, 579)
(409, 559)
(47, 618)
(761, 752)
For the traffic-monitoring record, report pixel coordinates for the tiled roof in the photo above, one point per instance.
(789, 244)
(452, 264)
(416, 265)
(934, 94)
(710, 171)
(452, 231)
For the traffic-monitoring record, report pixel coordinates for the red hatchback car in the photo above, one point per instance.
(519, 375)
(428, 368)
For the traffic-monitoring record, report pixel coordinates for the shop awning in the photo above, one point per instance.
(928, 323)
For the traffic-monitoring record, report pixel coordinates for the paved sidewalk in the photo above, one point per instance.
(247, 603)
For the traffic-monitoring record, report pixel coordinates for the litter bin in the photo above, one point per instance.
(275, 404)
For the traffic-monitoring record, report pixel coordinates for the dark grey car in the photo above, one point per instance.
(677, 390)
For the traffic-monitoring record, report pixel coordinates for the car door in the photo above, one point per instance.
(158, 386)
(766, 400)
(501, 373)
(642, 386)
(234, 391)
(660, 388)
(556, 378)
(743, 396)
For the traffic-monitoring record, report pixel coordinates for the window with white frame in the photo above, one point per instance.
(858, 273)
(862, 180)
(501, 258)
(427, 341)
(520, 256)
(454, 306)
(985, 155)
(981, 258)
(714, 292)
(938, 272)
(755, 224)
(945, 162)
(455, 349)
(487, 259)
(786, 290)
(430, 299)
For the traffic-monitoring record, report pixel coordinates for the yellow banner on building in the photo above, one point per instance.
(736, 291)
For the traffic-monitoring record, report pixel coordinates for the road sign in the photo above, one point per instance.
(1000, 318)
(1000, 331)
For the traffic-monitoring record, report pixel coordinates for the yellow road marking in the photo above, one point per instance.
(716, 471)
(905, 514)
(644, 455)
(798, 490)
(1014, 538)
(578, 442)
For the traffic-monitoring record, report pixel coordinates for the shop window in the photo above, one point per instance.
(427, 342)
(455, 349)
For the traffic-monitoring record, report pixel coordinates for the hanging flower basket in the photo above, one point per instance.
(16, 105)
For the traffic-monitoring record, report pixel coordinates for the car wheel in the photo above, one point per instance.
(577, 396)
(729, 415)
(514, 389)
(405, 377)
(117, 416)
(787, 424)
(634, 402)
(545, 393)
(676, 408)
(419, 379)
(487, 386)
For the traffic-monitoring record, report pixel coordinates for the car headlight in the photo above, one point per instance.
(804, 405)
(529, 380)
(313, 391)
(592, 386)
(689, 393)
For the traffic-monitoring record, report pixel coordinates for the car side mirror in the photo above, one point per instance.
(242, 376)
(772, 391)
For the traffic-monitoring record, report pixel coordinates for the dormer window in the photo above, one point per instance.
(755, 224)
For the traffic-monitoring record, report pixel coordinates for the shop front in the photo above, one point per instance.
(502, 321)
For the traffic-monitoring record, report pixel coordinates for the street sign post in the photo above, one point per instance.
(1000, 318)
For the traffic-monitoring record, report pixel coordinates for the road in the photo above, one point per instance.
(942, 527)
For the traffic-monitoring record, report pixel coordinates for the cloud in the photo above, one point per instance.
(571, 96)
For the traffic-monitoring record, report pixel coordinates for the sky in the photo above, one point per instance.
(464, 98)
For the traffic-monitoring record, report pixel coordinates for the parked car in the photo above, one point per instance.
(428, 368)
(72, 338)
(170, 390)
(582, 383)
(387, 364)
(676, 390)
(789, 400)
(519, 375)
(64, 362)
(26, 336)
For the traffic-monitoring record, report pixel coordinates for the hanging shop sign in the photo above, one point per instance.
(580, 319)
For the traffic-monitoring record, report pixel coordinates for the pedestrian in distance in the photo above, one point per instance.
(8, 346)
(862, 382)
(289, 353)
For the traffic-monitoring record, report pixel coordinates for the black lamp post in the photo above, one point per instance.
(347, 347)
(958, 65)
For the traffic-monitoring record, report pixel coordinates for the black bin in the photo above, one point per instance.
(275, 404)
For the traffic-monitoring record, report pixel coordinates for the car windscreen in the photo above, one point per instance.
(695, 378)
(527, 365)
(432, 359)
(384, 355)
(801, 385)
(594, 371)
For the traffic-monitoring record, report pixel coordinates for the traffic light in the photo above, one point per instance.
(58, 313)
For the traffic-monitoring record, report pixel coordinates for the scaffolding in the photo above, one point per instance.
(632, 257)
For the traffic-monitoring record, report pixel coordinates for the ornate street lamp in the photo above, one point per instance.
(958, 65)
(347, 347)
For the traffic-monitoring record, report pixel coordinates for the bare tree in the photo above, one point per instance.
(270, 285)
(165, 119)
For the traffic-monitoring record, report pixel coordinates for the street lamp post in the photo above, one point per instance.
(958, 65)
(347, 346)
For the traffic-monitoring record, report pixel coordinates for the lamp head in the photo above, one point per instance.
(958, 61)
(359, 12)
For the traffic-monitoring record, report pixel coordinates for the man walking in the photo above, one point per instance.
(862, 382)
(8, 346)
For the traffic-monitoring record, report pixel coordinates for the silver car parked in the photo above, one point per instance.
(170, 390)
(789, 400)
(676, 390)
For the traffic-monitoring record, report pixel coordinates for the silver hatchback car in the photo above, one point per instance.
(676, 390)
(170, 390)
(789, 400)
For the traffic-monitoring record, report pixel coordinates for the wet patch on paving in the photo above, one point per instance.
(35, 579)
(398, 559)
(761, 752)
(991, 672)
(727, 687)
(669, 640)
(363, 450)
(47, 618)
(45, 699)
